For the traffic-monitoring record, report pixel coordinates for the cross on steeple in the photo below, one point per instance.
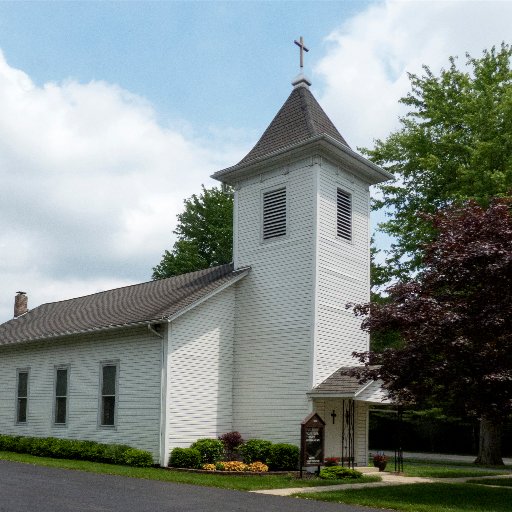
(300, 44)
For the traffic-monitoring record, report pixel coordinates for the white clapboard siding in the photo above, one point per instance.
(138, 408)
(333, 431)
(361, 433)
(342, 272)
(274, 313)
(200, 371)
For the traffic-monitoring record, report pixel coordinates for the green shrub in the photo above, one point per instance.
(139, 458)
(90, 450)
(338, 473)
(283, 457)
(211, 450)
(114, 453)
(185, 458)
(74, 449)
(255, 450)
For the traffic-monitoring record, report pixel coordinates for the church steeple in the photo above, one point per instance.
(300, 118)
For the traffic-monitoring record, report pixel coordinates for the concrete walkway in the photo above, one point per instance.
(387, 480)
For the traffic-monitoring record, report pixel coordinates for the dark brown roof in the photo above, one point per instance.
(147, 302)
(300, 118)
(339, 384)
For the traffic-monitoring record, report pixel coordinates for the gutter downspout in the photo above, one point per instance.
(163, 393)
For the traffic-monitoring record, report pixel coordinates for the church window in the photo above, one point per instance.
(344, 215)
(108, 394)
(21, 396)
(61, 396)
(274, 213)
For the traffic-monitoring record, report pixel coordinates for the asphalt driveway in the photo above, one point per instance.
(25, 488)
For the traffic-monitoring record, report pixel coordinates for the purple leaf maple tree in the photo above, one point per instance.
(455, 322)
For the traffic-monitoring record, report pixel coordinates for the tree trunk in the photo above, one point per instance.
(489, 449)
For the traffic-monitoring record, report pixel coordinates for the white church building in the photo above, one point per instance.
(253, 346)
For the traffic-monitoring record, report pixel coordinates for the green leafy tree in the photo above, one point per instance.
(205, 234)
(455, 320)
(454, 144)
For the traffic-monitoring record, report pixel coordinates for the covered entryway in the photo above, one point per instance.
(344, 405)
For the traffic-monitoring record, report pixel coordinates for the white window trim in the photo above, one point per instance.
(16, 410)
(287, 213)
(54, 409)
(115, 363)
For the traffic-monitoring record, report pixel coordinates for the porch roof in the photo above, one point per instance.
(340, 385)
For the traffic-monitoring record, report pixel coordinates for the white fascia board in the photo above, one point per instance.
(369, 171)
(334, 394)
(209, 295)
(366, 386)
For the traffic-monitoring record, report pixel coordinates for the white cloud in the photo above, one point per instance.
(91, 185)
(368, 57)
(367, 61)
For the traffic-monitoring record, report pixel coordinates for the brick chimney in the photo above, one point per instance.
(20, 304)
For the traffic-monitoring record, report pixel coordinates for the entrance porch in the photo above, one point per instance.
(344, 406)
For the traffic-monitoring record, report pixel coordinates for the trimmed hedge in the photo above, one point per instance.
(75, 449)
(338, 473)
(189, 458)
(283, 457)
(255, 450)
(211, 450)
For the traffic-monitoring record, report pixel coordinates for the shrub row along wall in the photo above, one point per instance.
(279, 456)
(74, 449)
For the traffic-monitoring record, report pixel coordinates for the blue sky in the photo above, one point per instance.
(209, 63)
(114, 112)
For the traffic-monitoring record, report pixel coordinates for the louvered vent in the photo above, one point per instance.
(274, 213)
(344, 215)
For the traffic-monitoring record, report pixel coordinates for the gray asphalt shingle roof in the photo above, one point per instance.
(147, 302)
(300, 118)
(338, 383)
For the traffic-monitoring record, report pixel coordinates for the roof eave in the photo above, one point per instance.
(368, 171)
(242, 273)
(330, 394)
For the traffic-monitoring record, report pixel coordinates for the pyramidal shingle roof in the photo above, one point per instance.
(299, 119)
(130, 305)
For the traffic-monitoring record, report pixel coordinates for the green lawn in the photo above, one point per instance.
(243, 483)
(451, 471)
(502, 482)
(424, 498)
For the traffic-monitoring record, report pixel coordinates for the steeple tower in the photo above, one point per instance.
(301, 222)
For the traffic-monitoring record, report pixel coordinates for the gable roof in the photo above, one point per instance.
(301, 118)
(130, 305)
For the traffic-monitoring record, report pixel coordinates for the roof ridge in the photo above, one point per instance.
(130, 286)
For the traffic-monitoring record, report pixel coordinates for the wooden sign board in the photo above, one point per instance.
(312, 440)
